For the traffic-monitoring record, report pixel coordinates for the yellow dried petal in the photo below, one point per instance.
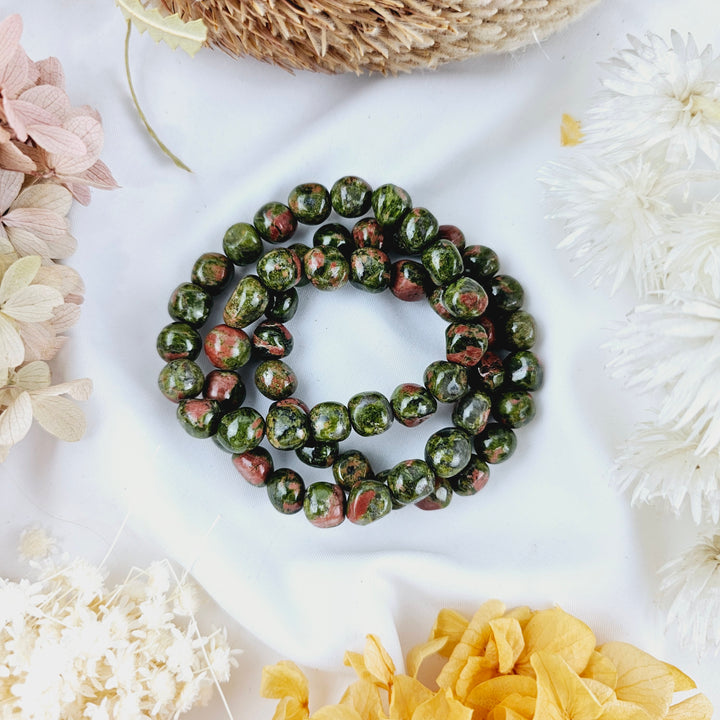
(442, 705)
(522, 614)
(284, 680)
(599, 689)
(336, 712)
(555, 631)
(621, 710)
(509, 641)
(520, 704)
(642, 679)
(500, 712)
(697, 707)
(451, 625)
(600, 668)
(680, 679)
(378, 662)
(290, 709)
(419, 653)
(407, 694)
(357, 662)
(364, 697)
(561, 693)
(570, 131)
(487, 695)
(477, 670)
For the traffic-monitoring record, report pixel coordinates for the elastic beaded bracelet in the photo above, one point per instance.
(488, 374)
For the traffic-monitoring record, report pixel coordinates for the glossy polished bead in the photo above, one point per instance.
(226, 388)
(212, 271)
(411, 404)
(489, 326)
(465, 343)
(351, 196)
(506, 293)
(443, 262)
(465, 299)
(408, 280)
(367, 502)
(389, 203)
(329, 422)
(448, 451)
(368, 232)
(496, 443)
(310, 203)
(452, 233)
(439, 498)
(286, 426)
(515, 408)
(227, 348)
(489, 373)
(472, 412)
(334, 235)
(240, 430)
(275, 222)
(199, 417)
(286, 491)
(318, 454)
(326, 268)
(410, 481)
(519, 331)
(324, 504)
(480, 262)
(242, 244)
(247, 302)
(255, 466)
(418, 228)
(178, 341)
(523, 370)
(472, 478)
(272, 340)
(180, 379)
(370, 269)
(350, 468)
(190, 304)
(435, 298)
(282, 306)
(447, 381)
(275, 379)
(300, 249)
(279, 269)
(370, 413)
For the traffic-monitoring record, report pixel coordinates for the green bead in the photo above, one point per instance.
(417, 230)
(286, 491)
(472, 411)
(282, 306)
(454, 234)
(310, 203)
(199, 417)
(247, 302)
(370, 269)
(326, 268)
(212, 271)
(351, 196)
(408, 280)
(329, 421)
(465, 299)
(368, 232)
(286, 426)
(439, 498)
(275, 379)
(519, 331)
(489, 373)
(318, 454)
(181, 379)
(370, 413)
(436, 300)
(465, 343)
(275, 222)
(480, 262)
(190, 304)
(390, 203)
(240, 430)
(336, 236)
(410, 481)
(506, 293)
(254, 466)
(443, 262)
(447, 381)
(412, 404)
(496, 443)
(367, 502)
(324, 504)
(272, 340)
(226, 388)
(472, 478)
(242, 244)
(227, 348)
(523, 370)
(350, 468)
(178, 341)
(279, 270)
(448, 451)
(515, 408)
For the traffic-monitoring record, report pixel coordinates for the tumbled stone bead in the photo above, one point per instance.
(350, 468)
(295, 402)
(411, 404)
(435, 298)
(318, 454)
(272, 340)
(489, 326)
(300, 249)
(286, 426)
(389, 204)
(240, 430)
(472, 478)
(279, 270)
(275, 222)
(514, 409)
(496, 443)
(310, 203)
(489, 373)
(180, 379)
(408, 280)
(448, 451)
(226, 388)
(275, 379)
(329, 422)
(336, 236)
(443, 262)
(368, 232)
(227, 348)
(519, 331)
(472, 412)
(370, 269)
(367, 502)
(480, 262)
(523, 370)
(190, 304)
(417, 230)
(247, 303)
(370, 413)
(326, 268)
(452, 233)
(178, 341)
(199, 417)
(465, 299)
(447, 381)
(506, 293)
(282, 306)
(324, 504)
(212, 271)
(286, 491)
(242, 244)
(439, 498)
(254, 466)
(351, 196)
(465, 343)
(410, 481)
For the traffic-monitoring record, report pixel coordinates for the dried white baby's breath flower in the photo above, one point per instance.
(35, 544)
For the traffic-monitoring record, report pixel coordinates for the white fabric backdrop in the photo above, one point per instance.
(466, 141)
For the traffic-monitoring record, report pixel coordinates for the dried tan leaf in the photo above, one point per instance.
(59, 416)
(15, 421)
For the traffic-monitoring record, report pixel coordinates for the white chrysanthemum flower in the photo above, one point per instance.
(675, 347)
(615, 216)
(663, 464)
(659, 97)
(691, 585)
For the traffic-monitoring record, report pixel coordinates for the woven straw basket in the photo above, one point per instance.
(386, 36)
